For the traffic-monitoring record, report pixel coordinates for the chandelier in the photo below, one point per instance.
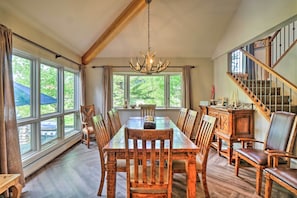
(146, 64)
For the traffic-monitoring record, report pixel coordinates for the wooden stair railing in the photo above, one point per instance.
(271, 92)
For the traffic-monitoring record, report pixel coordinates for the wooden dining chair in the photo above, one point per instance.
(102, 138)
(280, 137)
(191, 120)
(153, 176)
(285, 176)
(181, 118)
(86, 114)
(114, 121)
(204, 135)
(147, 110)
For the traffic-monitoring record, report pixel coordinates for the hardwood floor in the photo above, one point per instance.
(76, 174)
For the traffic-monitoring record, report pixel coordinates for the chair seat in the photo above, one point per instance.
(287, 175)
(256, 155)
(90, 130)
(180, 165)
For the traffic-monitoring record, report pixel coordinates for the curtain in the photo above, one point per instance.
(187, 86)
(83, 84)
(10, 155)
(107, 90)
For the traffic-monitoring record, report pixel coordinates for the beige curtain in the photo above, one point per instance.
(10, 155)
(107, 90)
(83, 84)
(187, 86)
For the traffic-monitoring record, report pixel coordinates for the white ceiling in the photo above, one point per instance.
(179, 28)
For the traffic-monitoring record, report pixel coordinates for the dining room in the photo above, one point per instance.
(199, 57)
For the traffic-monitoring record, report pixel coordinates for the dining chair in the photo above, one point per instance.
(147, 110)
(181, 118)
(102, 138)
(191, 119)
(114, 121)
(280, 137)
(153, 176)
(204, 135)
(285, 176)
(86, 114)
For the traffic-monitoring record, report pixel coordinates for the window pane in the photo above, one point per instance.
(175, 91)
(48, 89)
(48, 130)
(69, 90)
(69, 124)
(147, 90)
(118, 87)
(22, 86)
(25, 137)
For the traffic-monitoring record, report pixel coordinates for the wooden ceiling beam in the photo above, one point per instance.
(131, 10)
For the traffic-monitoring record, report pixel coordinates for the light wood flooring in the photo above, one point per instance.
(76, 174)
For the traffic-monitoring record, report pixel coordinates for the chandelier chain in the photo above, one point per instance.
(148, 27)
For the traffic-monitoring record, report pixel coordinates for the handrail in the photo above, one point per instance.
(271, 71)
(284, 54)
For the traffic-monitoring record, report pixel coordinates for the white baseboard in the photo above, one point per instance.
(49, 156)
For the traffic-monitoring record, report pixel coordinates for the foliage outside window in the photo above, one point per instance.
(46, 102)
(164, 90)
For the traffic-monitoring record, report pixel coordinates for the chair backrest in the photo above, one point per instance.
(114, 121)
(86, 113)
(147, 110)
(181, 118)
(151, 170)
(117, 119)
(204, 137)
(102, 135)
(190, 123)
(281, 132)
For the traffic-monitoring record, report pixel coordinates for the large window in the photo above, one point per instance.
(164, 90)
(46, 102)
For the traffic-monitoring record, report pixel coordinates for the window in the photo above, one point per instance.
(46, 102)
(164, 90)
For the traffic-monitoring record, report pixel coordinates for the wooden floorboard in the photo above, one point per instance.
(76, 174)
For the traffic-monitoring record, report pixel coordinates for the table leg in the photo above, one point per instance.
(191, 179)
(16, 190)
(111, 175)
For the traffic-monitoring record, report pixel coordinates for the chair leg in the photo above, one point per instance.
(204, 183)
(101, 182)
(237, 163)
(268, 186)
(258, 180)
(88, 141)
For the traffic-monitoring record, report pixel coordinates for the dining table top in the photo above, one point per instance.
(181, 143)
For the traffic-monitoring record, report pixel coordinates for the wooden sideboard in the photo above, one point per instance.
(231, 124)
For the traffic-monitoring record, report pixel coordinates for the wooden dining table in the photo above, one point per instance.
(183, 148)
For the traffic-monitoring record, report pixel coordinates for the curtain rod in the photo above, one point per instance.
(102, 66)
(46, 49)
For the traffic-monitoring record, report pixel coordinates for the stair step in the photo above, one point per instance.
(266, 91)
(258, 83)
(274, 108)
(274, 99)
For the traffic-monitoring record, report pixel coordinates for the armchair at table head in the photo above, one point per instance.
(280, 137)
(86, 114)
(153, 176)
(147, 110)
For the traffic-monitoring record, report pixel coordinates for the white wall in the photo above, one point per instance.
(252, 19)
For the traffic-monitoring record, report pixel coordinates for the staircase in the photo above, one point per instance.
(268, 90)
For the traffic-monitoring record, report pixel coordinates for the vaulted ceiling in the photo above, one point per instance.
(118, 28)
